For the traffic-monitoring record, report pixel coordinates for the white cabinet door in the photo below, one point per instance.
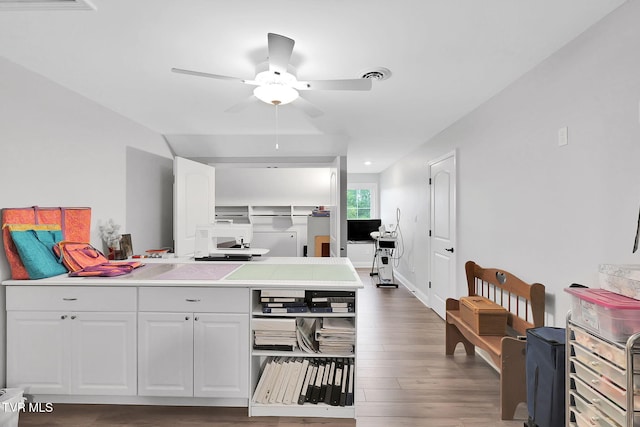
(221, 355)
(165, 354)
(38, 352)
(103, 350)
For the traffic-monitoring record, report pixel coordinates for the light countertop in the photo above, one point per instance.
(281, 272)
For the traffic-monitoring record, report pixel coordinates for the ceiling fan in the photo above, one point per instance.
(276, 83)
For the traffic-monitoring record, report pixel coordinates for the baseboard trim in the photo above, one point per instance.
(422, 297)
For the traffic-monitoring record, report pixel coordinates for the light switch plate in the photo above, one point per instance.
(563, 136)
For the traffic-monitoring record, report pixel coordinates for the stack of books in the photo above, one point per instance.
(336, 335)
(283, 301)
(290, 380)
(320, 211)
(331, 301)
(274, 333)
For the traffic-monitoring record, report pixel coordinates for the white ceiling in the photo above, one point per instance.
(446, 57)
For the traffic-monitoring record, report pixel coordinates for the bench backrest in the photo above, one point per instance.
(523, 301)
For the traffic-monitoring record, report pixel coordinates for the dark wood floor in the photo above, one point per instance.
(403, 379)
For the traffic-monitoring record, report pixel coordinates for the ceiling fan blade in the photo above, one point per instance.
(201, 74)
(308, 108)
(280, 50)
(241, 105)
(346, 84)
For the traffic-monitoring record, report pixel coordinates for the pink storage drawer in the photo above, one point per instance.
(613, 316)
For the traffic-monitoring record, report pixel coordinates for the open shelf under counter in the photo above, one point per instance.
(261, 359)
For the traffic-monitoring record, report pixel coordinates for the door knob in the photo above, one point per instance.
(449, 250)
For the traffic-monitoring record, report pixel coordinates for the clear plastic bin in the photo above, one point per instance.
(613, 316)
(11, 404)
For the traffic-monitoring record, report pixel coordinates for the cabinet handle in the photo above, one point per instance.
(192, 300)
(595, 382)
(595, 401)
(70, 299)
(64, 316)
(73, 317)
(196, 318)
(186, 317)
(595, 418)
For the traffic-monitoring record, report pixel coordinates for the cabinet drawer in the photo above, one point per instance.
(601, 366)
(600, 402)
(589, 412)
(602, 384)
(70, 298)
(600, 347)
(201, 300)
(583, 420)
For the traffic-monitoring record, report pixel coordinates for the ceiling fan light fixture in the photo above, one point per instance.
(276, 94)
(269, 77)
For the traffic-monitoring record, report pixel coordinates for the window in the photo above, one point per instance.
(361, 200)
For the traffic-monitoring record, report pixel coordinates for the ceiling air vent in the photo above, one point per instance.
(46, 5)
(379, 73)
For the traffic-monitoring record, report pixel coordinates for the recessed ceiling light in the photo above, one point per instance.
(367, 163)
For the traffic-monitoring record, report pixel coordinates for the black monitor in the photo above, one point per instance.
(360, 229)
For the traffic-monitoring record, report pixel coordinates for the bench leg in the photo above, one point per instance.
(453, 337)
(513, 388)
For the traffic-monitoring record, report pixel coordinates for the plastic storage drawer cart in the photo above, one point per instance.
(545, 367)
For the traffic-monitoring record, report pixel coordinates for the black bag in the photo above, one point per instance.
(545, 366)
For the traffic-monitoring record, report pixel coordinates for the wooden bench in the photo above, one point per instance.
(525, 307)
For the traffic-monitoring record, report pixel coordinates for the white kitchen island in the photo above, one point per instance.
(173, 332)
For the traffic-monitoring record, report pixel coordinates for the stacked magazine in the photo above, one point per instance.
(336, 335)
(275, 333)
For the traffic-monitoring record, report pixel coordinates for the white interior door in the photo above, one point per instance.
(194, 192)
(442, 255)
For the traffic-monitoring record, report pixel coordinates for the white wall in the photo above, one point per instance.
(57, 148)
(149, 183)
(273, 186)
(61, 149)
(546, 213)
